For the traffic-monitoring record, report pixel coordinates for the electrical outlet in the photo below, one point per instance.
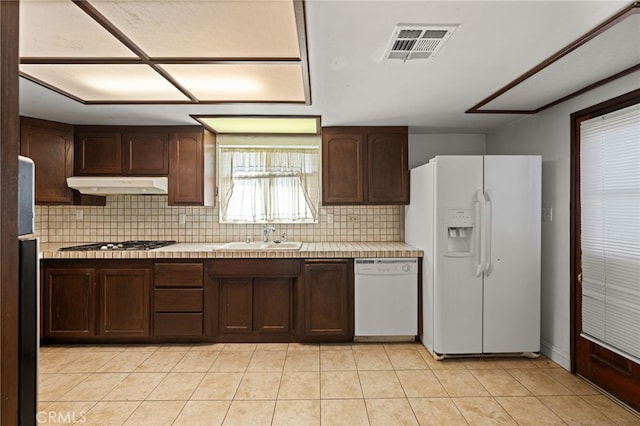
(352, 219)
(182, 218)
(330, 218)
(79, 215)
(547, 214)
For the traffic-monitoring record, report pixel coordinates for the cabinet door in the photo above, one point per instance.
(50, 146)
(235, 305)
(124, 302)
(342, 167)
(69, 303)
(387, 168)
(146, 154)
(186, 169)
(98, 153)
(328, 300)
(272, 305)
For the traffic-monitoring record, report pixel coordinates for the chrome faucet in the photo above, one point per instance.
(265, 232)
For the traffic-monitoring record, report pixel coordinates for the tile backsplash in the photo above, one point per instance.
(136, 217)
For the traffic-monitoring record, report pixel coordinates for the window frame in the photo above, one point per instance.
(262, 143)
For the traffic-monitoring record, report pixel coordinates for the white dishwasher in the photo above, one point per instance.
(386, 299)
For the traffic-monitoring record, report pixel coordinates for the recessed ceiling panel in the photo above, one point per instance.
(60, 29)
(207, 29)
(261, 124)
(106, 82)
(611, 52)
(240, 82)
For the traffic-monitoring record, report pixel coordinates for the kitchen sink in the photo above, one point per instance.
(259, 245)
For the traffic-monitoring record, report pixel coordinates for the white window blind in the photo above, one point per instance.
(269, 185)
(610, 217)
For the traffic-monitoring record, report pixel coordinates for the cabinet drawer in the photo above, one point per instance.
(178, 300)
(177, 325)
(178, 274)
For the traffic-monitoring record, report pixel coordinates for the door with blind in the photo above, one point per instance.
(606, 246)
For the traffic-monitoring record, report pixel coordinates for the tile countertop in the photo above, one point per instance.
(207, 251)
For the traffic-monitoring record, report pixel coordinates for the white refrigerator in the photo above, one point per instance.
(478, 221)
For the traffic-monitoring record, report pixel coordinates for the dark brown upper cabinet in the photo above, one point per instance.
(121, 151)
(98, 153)
(365, 165)
(387, 168)
(176, 152)
(50, 145)
(146, 153)
(186, 168)
(342, 167)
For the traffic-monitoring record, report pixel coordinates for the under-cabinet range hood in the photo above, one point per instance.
(117, 185)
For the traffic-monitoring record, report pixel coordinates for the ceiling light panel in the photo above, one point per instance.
(240, 82)
(60, 29)
(207, 29)
(611, 52)
(262, 125)
(106, 82)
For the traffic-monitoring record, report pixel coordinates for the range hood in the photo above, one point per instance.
(117, 185)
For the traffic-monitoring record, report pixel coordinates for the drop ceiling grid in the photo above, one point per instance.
(255, 40)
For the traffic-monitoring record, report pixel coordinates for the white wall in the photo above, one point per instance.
(423, 147)
(548, 134)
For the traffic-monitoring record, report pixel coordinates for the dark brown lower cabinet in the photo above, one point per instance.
(242, 300)
(100, 303)
(254, 299)
(69, 303)
(183, 325)
(123, 302)
(235, 304)
(273, 307)
(178, 301)
(327, 293)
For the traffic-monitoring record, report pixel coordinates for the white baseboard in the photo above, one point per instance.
(557, 355)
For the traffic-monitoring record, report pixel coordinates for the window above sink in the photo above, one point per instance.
(269, 179)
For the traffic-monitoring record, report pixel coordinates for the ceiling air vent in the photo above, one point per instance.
(417, 41)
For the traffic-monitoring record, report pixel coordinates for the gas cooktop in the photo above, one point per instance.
(123, 245)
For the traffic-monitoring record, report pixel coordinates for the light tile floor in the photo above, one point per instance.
(295, 384)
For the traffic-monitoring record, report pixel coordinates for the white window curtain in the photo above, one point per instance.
(269, 185)
(610, 209)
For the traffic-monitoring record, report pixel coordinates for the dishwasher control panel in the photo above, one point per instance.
(386, 266)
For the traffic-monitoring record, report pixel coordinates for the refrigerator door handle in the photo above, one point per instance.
(480, 209)
(488, 268)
